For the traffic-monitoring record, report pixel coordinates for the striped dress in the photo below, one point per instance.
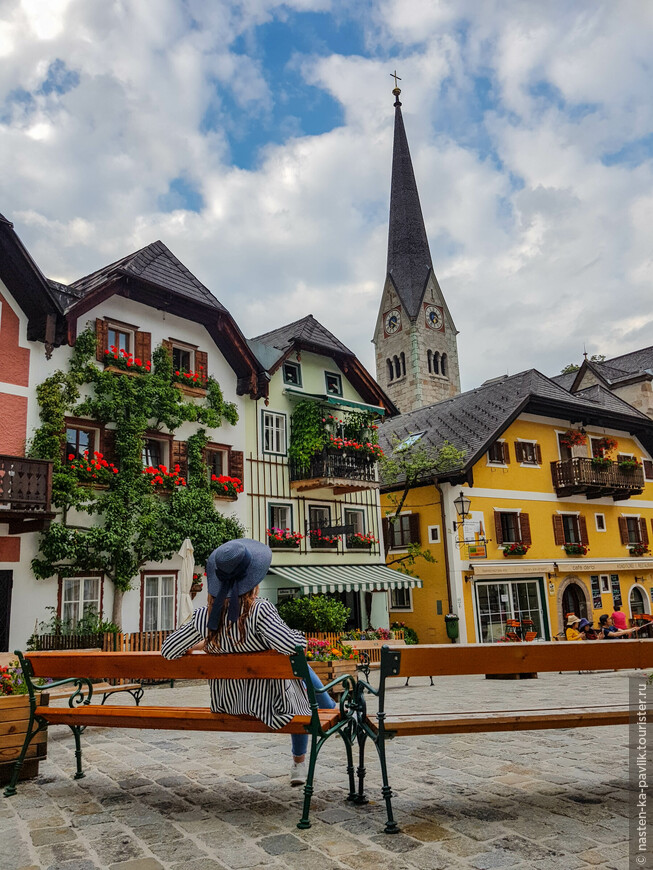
(274, 702)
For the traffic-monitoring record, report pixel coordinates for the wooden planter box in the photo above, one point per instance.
(198, 392)
(328, 671)
(14, 719)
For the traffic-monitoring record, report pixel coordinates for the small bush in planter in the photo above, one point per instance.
(314, 613)
(410, 635)
(576, 549)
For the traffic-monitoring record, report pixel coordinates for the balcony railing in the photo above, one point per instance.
(580, 475)
(334, 468)
(25, 493)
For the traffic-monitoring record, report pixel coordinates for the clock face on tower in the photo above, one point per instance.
(434, 317)
(392, 321)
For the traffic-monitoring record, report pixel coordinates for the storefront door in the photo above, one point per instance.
(496, 603)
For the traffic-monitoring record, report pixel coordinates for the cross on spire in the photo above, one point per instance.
(395, 77)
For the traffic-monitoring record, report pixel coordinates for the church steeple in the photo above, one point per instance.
(415, 337)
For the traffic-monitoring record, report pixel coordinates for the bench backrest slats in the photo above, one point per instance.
(152, 666)
(514, 658)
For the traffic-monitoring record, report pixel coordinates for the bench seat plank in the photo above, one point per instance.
(175, 719)
(411, 725)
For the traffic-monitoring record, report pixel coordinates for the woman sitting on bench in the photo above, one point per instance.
(236, 620)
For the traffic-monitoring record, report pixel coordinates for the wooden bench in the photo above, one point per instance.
(77, 670)
(369, 652)
(465, 659)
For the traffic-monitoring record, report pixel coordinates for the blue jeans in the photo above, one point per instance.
(324, 702)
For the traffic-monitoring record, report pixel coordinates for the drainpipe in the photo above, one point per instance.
(443, 526)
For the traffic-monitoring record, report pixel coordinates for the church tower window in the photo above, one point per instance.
(395, 359)
(429, 357)
(444, 365)
(391, 371)
(436, 363)
(403, 363)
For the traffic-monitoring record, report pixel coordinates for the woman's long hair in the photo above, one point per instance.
(216, 639)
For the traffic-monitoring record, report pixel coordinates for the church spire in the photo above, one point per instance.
(409, 258)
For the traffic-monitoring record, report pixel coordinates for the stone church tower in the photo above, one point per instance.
(415, 336)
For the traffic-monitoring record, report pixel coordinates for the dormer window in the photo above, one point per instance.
(333, 384)
(292, 374)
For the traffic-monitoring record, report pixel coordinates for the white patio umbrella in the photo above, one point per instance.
(186, 581)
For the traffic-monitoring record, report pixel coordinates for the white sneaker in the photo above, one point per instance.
(298, 773)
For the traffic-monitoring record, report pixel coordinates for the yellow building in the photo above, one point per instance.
(557, 504)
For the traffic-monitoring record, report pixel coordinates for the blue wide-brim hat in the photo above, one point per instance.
(231, 570)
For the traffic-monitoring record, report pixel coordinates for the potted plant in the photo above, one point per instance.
(573, 438)
(639, 549)
(518, 548)
(601, 462)
(283, 539)
(225, 487)
(163, 479)
(197, 585)
(360, 541)
(628, 464)
(330, 662)
(322, 541)
(576, 549)
(124, 361)
(15, 717)
(605, 445)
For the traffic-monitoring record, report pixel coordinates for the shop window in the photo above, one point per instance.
(80, 596)
(604, 580)
(519, 600)
(158, 610)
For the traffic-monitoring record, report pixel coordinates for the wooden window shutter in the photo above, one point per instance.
(582, 530)
(558, 529)
(643, 532)
(202, 362)
(498, 531)
(143, 346)
(538, 454)
(648, 468)
(623, 530)
(385, 525)
(180, 457)
(237, 464)
(525, 529)
(519, 451)
(506, 452)
(108, 445)
(102, 336)
(413, 527)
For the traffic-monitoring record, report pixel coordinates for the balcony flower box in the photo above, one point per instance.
(322, 541)
(628, 465)
(283, 539)
(602, 463)
(638, 549)
(576, 549)
(359, 541)
(516, 549)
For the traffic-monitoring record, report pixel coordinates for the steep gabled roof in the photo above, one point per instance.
(473, 420)
(308, 333)
(409, 257)
(154, 264)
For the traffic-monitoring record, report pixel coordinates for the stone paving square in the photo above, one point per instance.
(154, 800)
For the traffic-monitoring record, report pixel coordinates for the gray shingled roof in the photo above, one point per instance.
(409, 257)
(307, 331)
(154, 264)
(471, 421)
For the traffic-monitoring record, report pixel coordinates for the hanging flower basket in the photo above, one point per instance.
(576, 549)
(573, 438)
(516, 549)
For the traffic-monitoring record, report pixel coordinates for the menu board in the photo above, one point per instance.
(596, 592)
(616, 589)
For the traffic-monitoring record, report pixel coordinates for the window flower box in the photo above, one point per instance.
(92, 470)
(601, 462)
(359, 541)
(638, 549)
(628, 465)
(226, 487)
(575, 549)
(196, 380)
(162, 479)
(516, 549)
(122, 361)
(283, 539)
(321, 541)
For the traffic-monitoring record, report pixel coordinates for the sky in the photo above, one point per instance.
(254, 138)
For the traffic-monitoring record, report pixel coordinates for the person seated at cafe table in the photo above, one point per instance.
(588, 631)
(608, 630)
(572, 632)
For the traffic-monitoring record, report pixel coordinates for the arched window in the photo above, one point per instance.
(637, 602)
(403, 363)
(444, 365)
(436, 363)
(429, 357)
(391, 372)
(397, 366)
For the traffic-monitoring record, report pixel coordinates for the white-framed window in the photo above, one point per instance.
(498, 453)
(280, 516)
(292, 374)
(158, 613)
(183, 357)
(434, 534)
(81, 442)
(604, 580)
(599, 520)
(80, 596)
(528, 452)
(356, 518)
(274, 429)
(333, 383)
(217, 461)
(401, 599)
(120, 337)
(155, 452)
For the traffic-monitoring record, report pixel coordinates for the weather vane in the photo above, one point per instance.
(395, 77)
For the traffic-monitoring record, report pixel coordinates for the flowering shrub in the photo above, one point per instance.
(368, 634)
(227, 486)
(161, 478)
(638, 549)
(516, 549)
(359, 540)
(366, 448)
(191, 379)
(322, 651)
(318, 539)
(576, 549)
(410, 635)
(283, 538)
(573, 438)
(92, 469)
(12, 681)
(122, 359)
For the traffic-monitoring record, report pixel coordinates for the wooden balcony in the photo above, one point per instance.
(25, 493)
(579, 476)
(336, 470)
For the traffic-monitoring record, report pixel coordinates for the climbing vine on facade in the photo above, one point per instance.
(125, 523)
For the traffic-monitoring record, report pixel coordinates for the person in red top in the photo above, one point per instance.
(619, 618)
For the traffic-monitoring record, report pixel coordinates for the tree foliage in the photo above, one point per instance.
(118, 529)
(314, 613)
(572, 367)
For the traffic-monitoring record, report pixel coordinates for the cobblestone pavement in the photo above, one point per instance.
(195, 801)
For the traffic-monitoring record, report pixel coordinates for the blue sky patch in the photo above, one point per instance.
(181, 195)
(632, 153)
(59, 79)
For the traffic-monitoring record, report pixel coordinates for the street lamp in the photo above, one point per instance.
(462, 504)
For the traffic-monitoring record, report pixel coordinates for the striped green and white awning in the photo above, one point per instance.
(344, 578)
